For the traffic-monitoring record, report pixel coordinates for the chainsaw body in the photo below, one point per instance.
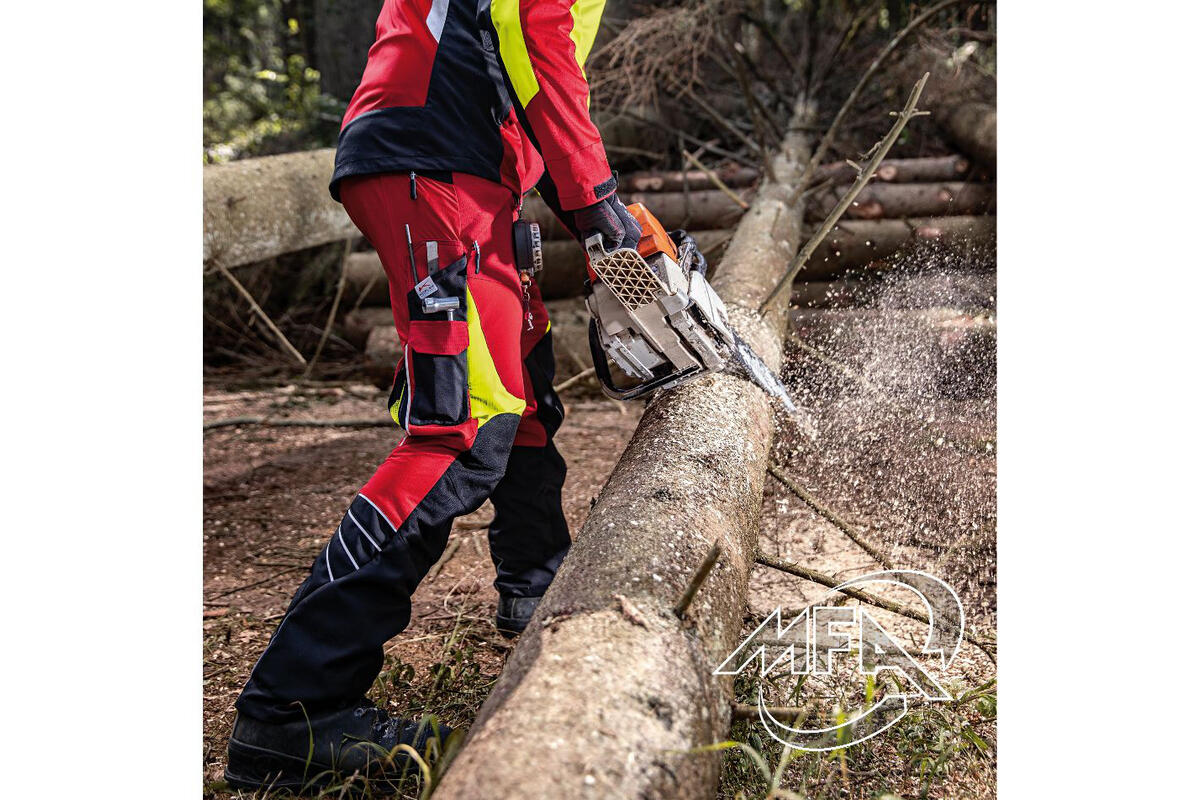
(653, 315)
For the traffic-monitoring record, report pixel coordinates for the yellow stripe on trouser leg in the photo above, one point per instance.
(489, 398)
(506, 17)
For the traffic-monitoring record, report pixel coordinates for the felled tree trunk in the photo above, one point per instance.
(607, 691)
(896, 200)
(696, 211)
(972, 128)
(931, 169)
(736, 177)
(859, 243)
(262, 207)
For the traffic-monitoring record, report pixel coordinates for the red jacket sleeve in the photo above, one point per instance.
(542, 47)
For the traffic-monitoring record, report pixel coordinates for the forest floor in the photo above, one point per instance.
(907, 458)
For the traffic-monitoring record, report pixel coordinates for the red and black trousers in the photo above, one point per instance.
(474, 393)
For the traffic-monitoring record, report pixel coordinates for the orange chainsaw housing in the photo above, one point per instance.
(654, 238)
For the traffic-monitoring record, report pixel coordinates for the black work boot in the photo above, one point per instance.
(513, 614)
(362, 739)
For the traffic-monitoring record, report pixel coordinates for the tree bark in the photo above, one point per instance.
(345, 32)
(263, 207)
(972, 128)
(896, 200)
(607, 691)
(859, 243)
(695, 211)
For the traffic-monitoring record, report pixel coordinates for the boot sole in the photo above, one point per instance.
(278, 770)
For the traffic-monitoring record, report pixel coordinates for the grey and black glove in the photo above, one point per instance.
(611, 220)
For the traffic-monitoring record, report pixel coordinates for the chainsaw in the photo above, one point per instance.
(655, 316)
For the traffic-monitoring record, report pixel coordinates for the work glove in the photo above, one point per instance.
(684, 243)
(610, 219)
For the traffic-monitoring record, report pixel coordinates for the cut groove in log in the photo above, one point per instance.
(588, 696)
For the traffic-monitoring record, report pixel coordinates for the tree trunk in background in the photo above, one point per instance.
(896, 200)
(858, 243)
(695, 211)
(345, 31)
(259, 208)
(972, 128)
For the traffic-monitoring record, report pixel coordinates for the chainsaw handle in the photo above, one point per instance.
(600, 360)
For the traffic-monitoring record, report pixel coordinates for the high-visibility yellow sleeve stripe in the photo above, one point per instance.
(506, 17)
(489, 397)
(586, 17)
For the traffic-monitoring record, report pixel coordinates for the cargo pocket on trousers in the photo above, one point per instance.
(431, 391)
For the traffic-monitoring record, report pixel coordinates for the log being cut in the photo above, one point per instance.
(608, 690)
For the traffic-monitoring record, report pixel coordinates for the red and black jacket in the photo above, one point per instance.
(493, 88)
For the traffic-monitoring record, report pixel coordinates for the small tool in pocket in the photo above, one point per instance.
(431, 392)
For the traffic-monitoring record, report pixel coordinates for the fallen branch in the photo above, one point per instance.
(863, 597)
(817, 506)
(245, 293)
(697, 580)
(257, 583)
(574, 379)
(333, 309)
(234, 422)
(658, 181)
(716, 180)
(741, 711)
